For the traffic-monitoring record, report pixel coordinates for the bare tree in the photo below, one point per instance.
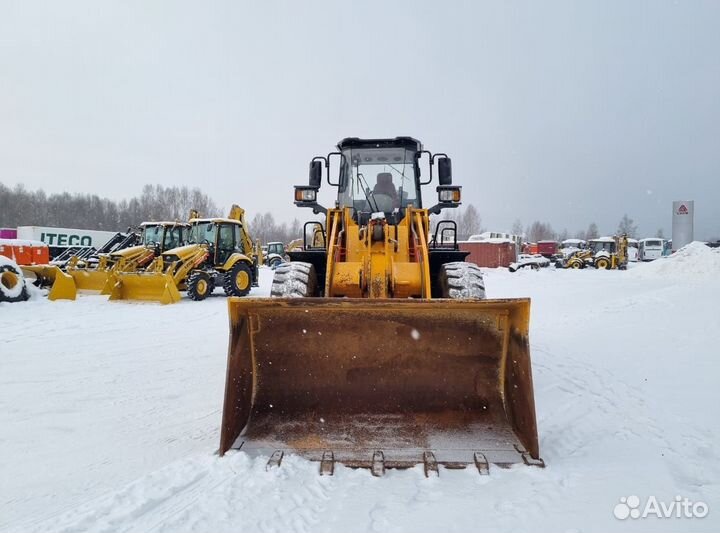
(517, 227)
(541, 231)
(470, 223)
(660, 234)
(592, 232)
(627, 226)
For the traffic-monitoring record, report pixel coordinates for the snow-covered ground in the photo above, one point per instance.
(110, 415)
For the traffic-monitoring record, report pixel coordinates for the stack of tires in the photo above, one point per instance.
(13, 287)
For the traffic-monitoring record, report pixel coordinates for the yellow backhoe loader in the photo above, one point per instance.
(219, 253)
(377, 349)
(610, 253)
(155, 237)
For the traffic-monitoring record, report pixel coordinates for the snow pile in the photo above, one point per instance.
(695, 260)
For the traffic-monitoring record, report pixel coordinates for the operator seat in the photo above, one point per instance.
(385, 186)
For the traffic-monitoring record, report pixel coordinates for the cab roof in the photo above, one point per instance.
(400, 142)
(163, 223)
(215, 220)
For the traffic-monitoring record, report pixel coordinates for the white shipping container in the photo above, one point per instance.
(57, 237)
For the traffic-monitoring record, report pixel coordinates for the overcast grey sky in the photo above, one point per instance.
(567, 112)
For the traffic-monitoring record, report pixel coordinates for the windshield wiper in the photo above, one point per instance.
(367, 190)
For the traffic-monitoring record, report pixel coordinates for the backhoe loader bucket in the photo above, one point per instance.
(89, 279)
(148, 286)
(381, 383)
(62, 285)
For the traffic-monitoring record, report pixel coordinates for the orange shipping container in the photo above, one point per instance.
(489, 254)
(25, 252)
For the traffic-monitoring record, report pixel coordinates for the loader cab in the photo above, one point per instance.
(379, 176)
(222, 236)
(164, 236)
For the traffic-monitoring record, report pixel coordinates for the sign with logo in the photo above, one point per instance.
(682, 223)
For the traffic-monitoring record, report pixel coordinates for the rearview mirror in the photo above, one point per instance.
(315, 174)
(445, 171)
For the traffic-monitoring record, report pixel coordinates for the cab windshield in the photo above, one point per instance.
(201, 232)
(378, 179)
(597, 246)
(174, 237)
(152, 235)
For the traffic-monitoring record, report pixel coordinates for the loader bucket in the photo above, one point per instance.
(381, 383)
(62, 285)
(92, 280)
(148, 286)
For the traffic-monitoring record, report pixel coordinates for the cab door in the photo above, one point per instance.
(225, 243)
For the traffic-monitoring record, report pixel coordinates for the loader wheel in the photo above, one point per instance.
(238, 280)
(294, 280)
(199, 285)
(12, 285)
(461, 280)
(602, 263)
(576, 264)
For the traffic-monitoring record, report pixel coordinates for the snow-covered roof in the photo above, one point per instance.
(573, 241)
(164, 223)
(21, 242)
(490, 240)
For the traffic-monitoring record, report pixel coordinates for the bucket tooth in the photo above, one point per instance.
(327, 464)
(482, 464)
(275, 460)
(529, 459)
(431, 466)
(378, 464)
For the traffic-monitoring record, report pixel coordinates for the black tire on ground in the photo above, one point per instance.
(10, 278)
(199, 285)
(238, 280)
(576, 264)
(294, 280)
(460, 280)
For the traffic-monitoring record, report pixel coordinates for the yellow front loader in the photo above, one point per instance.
(219, 253)
(377, 349)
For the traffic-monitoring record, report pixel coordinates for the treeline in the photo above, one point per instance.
(467, 219)
(20, 207)
(543, 231)
(264, 228)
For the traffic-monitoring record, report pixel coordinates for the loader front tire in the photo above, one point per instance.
(294, 280)
(238, 280)
(460, 280)
(199, 285)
